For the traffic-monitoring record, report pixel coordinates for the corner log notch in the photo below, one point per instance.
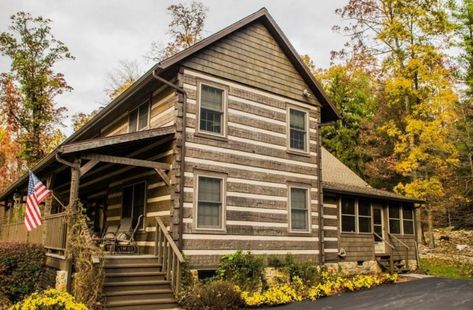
(157, 166)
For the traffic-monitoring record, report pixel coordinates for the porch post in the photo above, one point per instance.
(73, 197)
(47, 209)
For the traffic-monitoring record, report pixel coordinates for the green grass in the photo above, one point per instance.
(446, 269)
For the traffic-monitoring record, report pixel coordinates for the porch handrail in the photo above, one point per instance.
(390, 245)
(405, 246)
(169, 256)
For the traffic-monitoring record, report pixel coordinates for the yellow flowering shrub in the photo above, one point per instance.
(50, 299)
(330, 285)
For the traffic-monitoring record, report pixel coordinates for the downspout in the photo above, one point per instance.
(183, 145)
(321, 206)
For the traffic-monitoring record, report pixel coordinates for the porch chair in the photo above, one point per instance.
(125, 241)
(107, 240)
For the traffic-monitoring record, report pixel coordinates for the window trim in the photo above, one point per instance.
(401, 228)
(148, 102)
(290, 107)
(143, 224)
(309, 210)
(223, 193)
(357, 216)
(411, 220)
(224, 108)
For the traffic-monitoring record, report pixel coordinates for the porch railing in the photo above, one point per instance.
(391, 259)
(56, 230)
(169, 256)
(406, 248)
(17, 232)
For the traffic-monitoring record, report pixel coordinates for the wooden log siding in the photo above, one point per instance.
(163, 112)
(259, 169)
(331, 228)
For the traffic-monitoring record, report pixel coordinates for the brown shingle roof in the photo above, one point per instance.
(338, 178)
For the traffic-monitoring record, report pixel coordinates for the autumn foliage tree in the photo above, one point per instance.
(30, 87)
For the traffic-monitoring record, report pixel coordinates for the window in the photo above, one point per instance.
(133, 202)
(348, 215)
(210, 202)
(138, 119)
(298, 130)
(394, 219)
(299, 206)
(407, 221)
(211, 110)
(364, 216)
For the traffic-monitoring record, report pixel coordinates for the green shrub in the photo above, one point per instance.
(21, 266)
(275, 262)
(51, 299)
(308, 272)
(242, 269)
(214, 295)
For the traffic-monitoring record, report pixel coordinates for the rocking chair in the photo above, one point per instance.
(107, 240)
(125, 241)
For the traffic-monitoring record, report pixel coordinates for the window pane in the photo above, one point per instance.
(299, 198)
(394, 226)
(132, 121)
(209, 189)
(143, 120)
(297, 120)
(138, 202)
(127, 201)
(394, 211)
(408, 227)
(348, 206)
(297, 133)
(211, 120)
(364, 207)
(348, 223)
(407, 213)
(299, 219)
(208, 214)
(211, 98)
(364, 224)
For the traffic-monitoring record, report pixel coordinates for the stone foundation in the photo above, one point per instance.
(352, 268)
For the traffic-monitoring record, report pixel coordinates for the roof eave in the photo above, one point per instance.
(371, 195)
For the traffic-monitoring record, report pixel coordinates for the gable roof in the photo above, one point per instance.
(329, 111)
(338, 178)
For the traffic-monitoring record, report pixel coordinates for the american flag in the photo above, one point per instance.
(37, 193)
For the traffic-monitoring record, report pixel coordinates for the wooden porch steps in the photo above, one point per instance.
(384, 261)
(136, 282)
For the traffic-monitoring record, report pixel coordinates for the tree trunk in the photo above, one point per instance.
(431, 229)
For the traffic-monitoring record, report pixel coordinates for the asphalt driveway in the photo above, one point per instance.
(428, 293)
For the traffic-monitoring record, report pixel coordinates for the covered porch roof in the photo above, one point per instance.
(119, 149)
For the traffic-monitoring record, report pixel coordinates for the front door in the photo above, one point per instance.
(378, 228)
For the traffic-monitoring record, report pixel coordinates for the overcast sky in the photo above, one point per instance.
(100, 33)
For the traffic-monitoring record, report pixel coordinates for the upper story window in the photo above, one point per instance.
(298, 123)
(138, 119)
(210, 202)
(299, 209)
(212, 110)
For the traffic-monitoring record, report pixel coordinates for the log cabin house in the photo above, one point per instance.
(218, 149)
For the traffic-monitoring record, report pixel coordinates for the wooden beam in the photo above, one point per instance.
(89, 165)
(164, 176)
(127, 161)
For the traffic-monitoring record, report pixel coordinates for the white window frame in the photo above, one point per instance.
(223, 193)
(402, 221)
(147, 102)
(309, 206)
(401, 230)
(357, 216)
(142, 227)
(288, 129)
(224, 108)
